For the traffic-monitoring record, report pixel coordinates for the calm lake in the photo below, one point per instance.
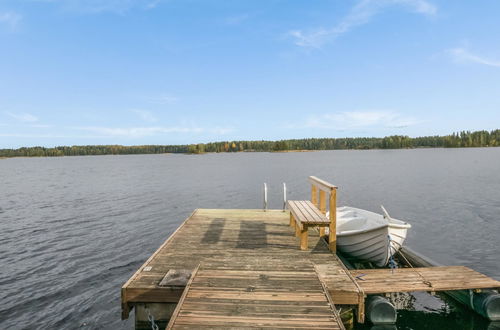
(74, 229)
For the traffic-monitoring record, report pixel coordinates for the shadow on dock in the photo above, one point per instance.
(252, 235)
(214, 231)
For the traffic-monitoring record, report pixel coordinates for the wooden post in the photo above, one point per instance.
(322, 201)
(322, 208)
(291, 220)
(361, 311)
(314, 195)
(303, 238)
(332, 238)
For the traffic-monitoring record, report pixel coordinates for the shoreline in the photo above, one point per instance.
(250, 151)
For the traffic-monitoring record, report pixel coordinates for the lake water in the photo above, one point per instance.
(74, 229)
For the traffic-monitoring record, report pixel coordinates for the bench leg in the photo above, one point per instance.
(292, 220)
(297, 230)
(303, 238)
(321, 231)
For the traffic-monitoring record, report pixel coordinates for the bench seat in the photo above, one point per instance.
(304, 214)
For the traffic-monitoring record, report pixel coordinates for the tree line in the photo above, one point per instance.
(455, 140)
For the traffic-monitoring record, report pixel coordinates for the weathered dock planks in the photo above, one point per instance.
(247, 246)
(219, 298)
(431, 279)
(248, 271)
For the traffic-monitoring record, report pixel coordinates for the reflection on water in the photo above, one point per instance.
(420, 310)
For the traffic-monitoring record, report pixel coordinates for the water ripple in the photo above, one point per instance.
(74, 229)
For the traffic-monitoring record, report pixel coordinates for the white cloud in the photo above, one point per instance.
(149, 131)
(461, 55)
(164, 99)
(221, 130)
(139, 131)
(153, 4)
(236, 19)
(24, 117)
(102, 6)
(360, 119)
(45, 136)
(145, 115)
(10, 19)
(360, 14)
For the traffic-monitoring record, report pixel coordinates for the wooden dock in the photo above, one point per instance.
(239, 298)
(249, 271)
(430, 279)
(260, 247)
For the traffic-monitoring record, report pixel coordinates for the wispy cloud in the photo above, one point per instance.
(153, 4)
(10, 19)
(24, 117)
(163, 99)
(360, 119)
(461, 55)
(135, 132)
(103, 6)
(359, 15)
(236, 19)
(45, 136)
(145, 115)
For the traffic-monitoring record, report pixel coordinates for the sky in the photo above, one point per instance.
(135, 72)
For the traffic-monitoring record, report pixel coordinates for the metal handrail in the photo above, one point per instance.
(265, 196)
(284, 196)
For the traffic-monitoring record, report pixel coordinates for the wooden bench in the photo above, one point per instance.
(307, 214)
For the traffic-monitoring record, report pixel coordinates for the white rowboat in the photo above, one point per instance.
(368, 236)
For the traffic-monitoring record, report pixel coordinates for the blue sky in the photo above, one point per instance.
(186, 71)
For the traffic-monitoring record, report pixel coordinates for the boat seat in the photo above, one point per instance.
(304, 215)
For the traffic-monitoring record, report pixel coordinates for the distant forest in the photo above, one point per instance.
(455, 140)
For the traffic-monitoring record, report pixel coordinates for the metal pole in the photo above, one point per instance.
(265, 196)
(284, 196)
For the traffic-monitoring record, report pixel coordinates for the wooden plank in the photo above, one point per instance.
(445, 278)
(322, 201)
(125, 307)
(321, 184)
(248, 306)
(332, 236)
(315, 213)
(310, 215)
(314, 194)
(254, 250)
(182, 299)
(306, 212)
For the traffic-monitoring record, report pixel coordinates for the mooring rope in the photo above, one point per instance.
(392, 263)
(424, 280)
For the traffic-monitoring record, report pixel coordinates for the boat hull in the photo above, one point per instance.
(368, 236)
(370, 246)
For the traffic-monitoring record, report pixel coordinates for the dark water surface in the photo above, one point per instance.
(74, 229)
